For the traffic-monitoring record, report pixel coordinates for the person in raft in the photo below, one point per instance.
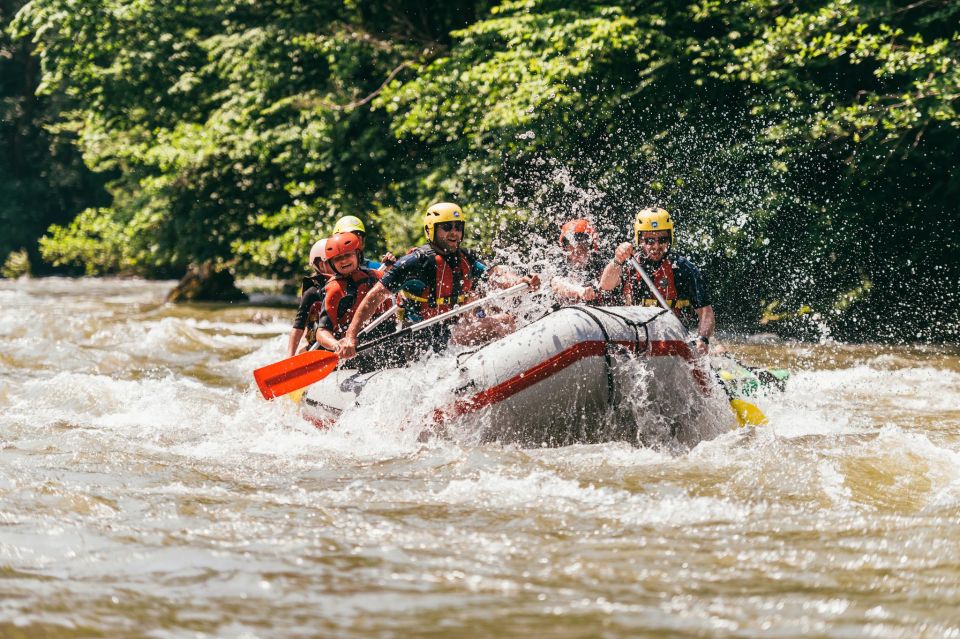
(679, 281)
(579, 278)
(437, 277)
(344, 293)
(311, 300)
(353, 224)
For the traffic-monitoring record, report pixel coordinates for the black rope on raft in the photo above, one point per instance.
(606, 352)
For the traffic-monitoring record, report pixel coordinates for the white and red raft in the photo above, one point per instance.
(581, 374)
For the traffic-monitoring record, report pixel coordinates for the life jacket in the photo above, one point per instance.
(357, 284)
(663, 279)
(313, 314)
(446, 287)
(310, 281)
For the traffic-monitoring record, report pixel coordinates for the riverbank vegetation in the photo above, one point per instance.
(807, 149)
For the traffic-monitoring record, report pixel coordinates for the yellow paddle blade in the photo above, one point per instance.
(747, 414)
(297, 395)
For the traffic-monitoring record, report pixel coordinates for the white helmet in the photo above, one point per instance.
(318, 259)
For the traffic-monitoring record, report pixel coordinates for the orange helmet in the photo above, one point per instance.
(578, 231)
(341, 244)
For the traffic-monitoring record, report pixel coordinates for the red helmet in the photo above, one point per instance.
(341, 244)
(578, 231)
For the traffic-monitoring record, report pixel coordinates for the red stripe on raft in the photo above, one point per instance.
(560, 361)
(677, 347)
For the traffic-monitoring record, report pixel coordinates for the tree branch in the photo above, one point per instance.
(359, 103)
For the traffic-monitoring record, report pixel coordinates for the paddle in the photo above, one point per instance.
(745, 412)
(394, 307)
(306, 368)
(390, 312)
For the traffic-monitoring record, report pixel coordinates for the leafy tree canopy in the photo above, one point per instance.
(807, 149)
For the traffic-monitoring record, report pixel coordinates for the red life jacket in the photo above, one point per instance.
(448, 286)
(664, 281)
(357, 284)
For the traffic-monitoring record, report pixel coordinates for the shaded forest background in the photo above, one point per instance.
(808, 149)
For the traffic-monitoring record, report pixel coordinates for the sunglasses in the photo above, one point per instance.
(571, 239)
(650, 241)
(446, 227)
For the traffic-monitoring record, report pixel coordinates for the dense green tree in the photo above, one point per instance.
(236, 132)
(874, 85)
(42, 177)
(808, 149)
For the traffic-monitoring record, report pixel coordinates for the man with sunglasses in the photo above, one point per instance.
(578, 279)
(448, 275)
(680, 282)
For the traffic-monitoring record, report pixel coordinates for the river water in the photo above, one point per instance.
(146, 490)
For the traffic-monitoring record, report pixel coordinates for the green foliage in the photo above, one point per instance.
(816, 131)
(232, 131)
(16, 265)
(42, 178)
(792, 140)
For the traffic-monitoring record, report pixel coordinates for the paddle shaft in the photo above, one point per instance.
(380, 320)
(653, 287)
(311, 366)
(649, 282)
(442, 316)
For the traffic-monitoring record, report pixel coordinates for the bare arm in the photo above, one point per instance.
(501, 277)
(705, 325)
(706, 321)
(347, 347)
(294, 341)
(326, 339)
(570, 290)
(610, 278)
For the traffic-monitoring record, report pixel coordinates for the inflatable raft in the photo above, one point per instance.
(581, 374)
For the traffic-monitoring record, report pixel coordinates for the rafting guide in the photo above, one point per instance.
(677, 279)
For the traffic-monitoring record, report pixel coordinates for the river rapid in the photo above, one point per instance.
(146, 490)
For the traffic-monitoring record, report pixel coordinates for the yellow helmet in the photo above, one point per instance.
(441, 212)
(652, 219)
(349, 224)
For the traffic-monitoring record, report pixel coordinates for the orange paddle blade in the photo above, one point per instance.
(294, 372)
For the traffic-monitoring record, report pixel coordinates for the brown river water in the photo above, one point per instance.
(146, 490)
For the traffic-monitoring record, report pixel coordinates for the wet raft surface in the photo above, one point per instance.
(147, 490)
